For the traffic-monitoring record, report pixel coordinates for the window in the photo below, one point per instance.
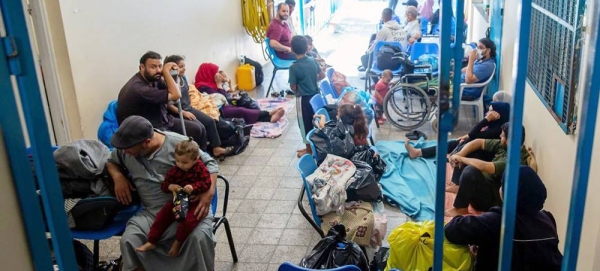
(554, 52)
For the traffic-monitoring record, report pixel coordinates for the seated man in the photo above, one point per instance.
(148, 154)
(292, 5)
(147, 93)
(479, 180)
(391, 31)
(480, 67)
(280, 34)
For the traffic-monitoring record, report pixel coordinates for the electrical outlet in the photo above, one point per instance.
(242, 59)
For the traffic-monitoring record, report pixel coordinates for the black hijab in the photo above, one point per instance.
(531, 192)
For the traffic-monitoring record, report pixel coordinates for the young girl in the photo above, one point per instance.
(351, 115)
(189, 175)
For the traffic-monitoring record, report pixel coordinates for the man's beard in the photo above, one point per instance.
(283, 17)
(150, 78)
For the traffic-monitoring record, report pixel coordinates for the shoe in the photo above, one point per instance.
(275, 94)
(415, 135)
(282, 93)
(363, 78)
(289, 92)
(361, 68)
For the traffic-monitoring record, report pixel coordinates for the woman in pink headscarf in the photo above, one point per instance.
(209, 80)
(426, 10)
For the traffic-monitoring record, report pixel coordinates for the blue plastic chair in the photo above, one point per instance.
(317, 102)
(312, 144)
(307, 166)
(278, 63)
(373, 70)
(287, 266)
(323, 112)
(327, 88)
(329, 72)
(418, 49)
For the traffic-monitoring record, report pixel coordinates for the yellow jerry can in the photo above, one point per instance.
(245, 77)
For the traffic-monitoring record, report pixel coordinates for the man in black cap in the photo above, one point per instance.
(147, 93)
(147, 154)
(393, 3)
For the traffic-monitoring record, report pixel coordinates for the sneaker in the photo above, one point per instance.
(361, 68)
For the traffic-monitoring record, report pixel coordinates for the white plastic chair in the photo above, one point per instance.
(479, 101)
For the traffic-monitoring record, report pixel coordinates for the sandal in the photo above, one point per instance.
(275, 94)
(416, 135)
(228, 151)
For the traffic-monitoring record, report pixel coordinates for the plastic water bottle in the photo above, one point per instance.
(468, 48)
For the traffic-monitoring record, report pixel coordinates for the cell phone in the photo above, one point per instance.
(317, 121)
(174, 73)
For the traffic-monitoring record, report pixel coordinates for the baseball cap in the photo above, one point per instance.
(413, 3)
(133, 130)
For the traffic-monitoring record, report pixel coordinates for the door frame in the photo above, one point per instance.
(49, 79)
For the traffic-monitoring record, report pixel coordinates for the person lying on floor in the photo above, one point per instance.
(535, 240)
(478, 181)
(209, 80)
(489, 127)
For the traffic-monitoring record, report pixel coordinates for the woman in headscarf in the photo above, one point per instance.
(535, 240)
(489, 127)
(209, 80)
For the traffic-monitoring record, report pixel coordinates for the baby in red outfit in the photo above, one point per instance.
(381, 89)
(189, 175)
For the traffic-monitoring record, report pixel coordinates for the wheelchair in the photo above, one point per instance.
(411, 101)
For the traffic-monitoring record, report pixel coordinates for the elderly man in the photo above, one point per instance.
(280, 34)
(147, 154)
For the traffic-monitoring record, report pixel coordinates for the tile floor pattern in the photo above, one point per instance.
(267, 225)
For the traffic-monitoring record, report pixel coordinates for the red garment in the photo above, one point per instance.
(205, 76)
(165, 218)
(197, 176)
(382, 89)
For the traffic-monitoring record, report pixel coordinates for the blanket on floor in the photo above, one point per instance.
(268, 129)
(408, 183)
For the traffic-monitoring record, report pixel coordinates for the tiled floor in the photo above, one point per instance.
(267, 226)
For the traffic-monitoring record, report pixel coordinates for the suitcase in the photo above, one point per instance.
(245, 77)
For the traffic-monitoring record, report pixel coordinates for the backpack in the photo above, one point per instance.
(234, 132)
(92, 213)
(258, 72)
(384, 57)
(338, 81)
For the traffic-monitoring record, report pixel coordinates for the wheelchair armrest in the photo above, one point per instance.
(424, 66)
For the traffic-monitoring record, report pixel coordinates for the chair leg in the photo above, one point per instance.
(96, 252)
(230, 240)
(271, 84)
(480, 110)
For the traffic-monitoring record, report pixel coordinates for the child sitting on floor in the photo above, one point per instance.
(381, 89)
(189, 175)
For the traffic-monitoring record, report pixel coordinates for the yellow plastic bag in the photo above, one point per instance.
(411, 249)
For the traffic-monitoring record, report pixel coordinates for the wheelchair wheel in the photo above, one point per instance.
(406, 106)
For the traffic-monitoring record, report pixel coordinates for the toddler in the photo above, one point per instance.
(189, 175)
(381, 89)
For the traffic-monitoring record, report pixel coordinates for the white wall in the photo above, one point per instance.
(555, 152)
(105, 40)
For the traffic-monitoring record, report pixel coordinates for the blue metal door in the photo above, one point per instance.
(18, 66)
